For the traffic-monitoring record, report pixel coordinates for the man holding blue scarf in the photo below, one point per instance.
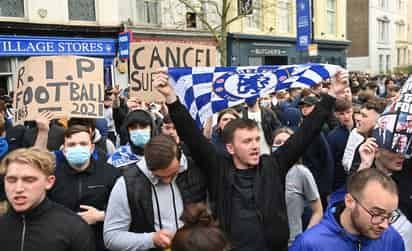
(246, 188)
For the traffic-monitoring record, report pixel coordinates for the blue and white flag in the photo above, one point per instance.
(207, 90)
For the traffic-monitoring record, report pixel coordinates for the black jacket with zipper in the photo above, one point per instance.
(49, 226)
(90, 187)
(269, 185)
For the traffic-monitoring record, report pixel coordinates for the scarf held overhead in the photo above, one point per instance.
(207, 90)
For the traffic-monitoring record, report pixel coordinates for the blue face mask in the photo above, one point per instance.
(4, 146)
(77, 155)
(139, 137)
(274, 148)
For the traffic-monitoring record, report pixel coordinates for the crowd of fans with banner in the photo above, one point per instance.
(320, 168)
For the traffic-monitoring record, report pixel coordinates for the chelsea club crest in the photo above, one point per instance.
(244, 83)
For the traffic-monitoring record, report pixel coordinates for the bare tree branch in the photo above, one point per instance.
(202, 18)
(216, 5)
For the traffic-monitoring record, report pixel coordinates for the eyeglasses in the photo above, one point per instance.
(378, 218)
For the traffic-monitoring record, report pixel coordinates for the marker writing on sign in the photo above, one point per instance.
(86, 97)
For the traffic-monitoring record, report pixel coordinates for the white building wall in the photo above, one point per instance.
(360, 64)
(377, 47)
(57, 12)
(409, 30)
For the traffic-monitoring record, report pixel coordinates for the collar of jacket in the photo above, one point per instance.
(334, 226)
(40, 209)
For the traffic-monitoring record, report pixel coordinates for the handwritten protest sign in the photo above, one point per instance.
(147, 56)
(69, 86)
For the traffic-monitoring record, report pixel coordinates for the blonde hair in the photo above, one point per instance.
(36, 157)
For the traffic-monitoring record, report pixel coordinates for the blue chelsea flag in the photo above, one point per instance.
(207, 90)
(304, 24)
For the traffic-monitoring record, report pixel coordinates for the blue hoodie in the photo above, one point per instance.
(329, 235)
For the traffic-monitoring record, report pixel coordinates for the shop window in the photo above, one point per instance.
(82, 10)
(190, 20)
(388, 63)
(255, 61)
(5, 65)
(147, 12)
(5, 74)
(12, 8)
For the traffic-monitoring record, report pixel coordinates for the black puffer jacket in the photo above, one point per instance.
(49, 227)
(269, 188)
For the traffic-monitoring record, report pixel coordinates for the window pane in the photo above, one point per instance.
(82, 10)
(284, 14)
(153, 13)
(254, 61)
(147, 11)
(4, 65)
(12, 8)
(331, 4)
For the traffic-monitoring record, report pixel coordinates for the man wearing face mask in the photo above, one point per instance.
(83, 180)
(140, 128)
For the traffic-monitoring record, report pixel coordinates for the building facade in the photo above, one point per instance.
(268, 35)
(56, 27)
(409, 30)
(378, 31)
(168, 20)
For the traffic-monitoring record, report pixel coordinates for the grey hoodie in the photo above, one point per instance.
(118, 216)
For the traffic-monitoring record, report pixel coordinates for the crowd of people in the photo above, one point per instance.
(297, 169)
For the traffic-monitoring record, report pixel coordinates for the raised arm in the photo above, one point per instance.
(294, 148)
(202, 151)
(43, 127)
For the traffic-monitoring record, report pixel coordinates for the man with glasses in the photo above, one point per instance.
(361, 221)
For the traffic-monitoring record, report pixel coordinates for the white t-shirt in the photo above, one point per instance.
(404, 228)
(257, 116)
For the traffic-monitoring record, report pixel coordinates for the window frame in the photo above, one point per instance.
(253, 21)
(18, 18)
(82, 21)
(141, 20)
(286, 12)
(334, 13)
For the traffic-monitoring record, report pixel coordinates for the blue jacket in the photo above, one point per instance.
(337, 139)
(329, 235)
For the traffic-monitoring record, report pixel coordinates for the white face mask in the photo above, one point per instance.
(274, 101)
(265, 103)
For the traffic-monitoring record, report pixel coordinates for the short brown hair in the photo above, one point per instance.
(76, 129)
(232, 126)
(342, 105)
(160, 151)
(36, 157)
(200, 232)
(376, 104)
(358, 181)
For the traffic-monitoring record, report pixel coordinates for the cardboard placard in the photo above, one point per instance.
(147, 56)
(69, 86)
